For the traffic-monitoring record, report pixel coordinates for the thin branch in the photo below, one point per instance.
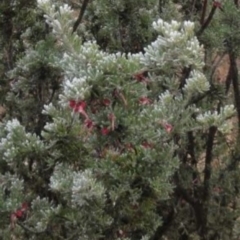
(27, 229)
(193, 6)
(236, 3)
(167, 223)
(203, 11)
(184, 76)
(235, 82)
(228, 80)
(207, 22)
(206, 184)
(208, 160)
(80, 16)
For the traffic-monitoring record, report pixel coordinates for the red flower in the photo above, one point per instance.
(105, 131)
(168, 127)
(146, 144)
(78, 107)
(111, 116)
(88, 123)
(140, 77)
(106, 102)
(217, 4)
(144, 101)
(19, 213)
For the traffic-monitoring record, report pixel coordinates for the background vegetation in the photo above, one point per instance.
(116, 126)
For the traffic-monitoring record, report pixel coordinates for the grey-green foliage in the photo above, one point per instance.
(18, 27)
(85, 183)
(223, 31)
(121, 25)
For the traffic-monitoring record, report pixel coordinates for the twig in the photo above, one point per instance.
(204, 11)
(207, 22)
(208, 160)
(29, 229)
(80, 16)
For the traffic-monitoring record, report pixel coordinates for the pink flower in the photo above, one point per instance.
(78, 107)
(144, 101)
(18, 214)
(168, 127)
(111, 117)
(217, 4)
(106, 102)
(88, 123)
(140, 77)
(105, 131)
(146, 144)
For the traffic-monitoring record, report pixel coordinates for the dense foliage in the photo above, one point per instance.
(115, 127)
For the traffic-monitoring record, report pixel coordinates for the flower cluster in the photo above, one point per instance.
(19, 214)
(112, 133)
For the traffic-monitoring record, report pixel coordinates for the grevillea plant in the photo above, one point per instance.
(119, 150)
